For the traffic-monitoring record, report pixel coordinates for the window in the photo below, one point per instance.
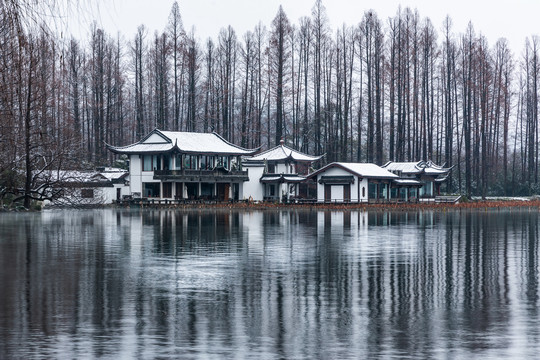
(156, 164)
(178, 162)
(207, 162)
(192, 190)
(190, 162)
(222, 161)
(207, 189)
(203, 162)
(271, 168)
(147, 162)
(87, 193)
(167, 162)
(372, 190)
(151, 162)
(151, 190)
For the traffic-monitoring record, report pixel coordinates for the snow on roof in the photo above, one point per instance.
(407, 182)
(366, 170)
(404, 167)
(282, 178)
(68, 176)
(79, 176)
(142, 148)
(426, 167)
(188, 142)
(282, 152)
(113, 173)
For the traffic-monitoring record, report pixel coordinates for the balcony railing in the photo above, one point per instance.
(206, 174)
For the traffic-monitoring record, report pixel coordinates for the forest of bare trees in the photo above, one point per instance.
(384, 89)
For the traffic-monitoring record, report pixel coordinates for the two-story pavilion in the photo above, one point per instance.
(278, 173)
(185, 165)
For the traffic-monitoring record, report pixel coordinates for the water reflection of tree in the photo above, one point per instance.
(291, 283)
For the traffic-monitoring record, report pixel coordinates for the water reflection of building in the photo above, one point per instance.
(298, 284)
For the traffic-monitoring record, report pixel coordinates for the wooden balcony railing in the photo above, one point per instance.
(217, 173)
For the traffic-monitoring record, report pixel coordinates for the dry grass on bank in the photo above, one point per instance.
(484, 204)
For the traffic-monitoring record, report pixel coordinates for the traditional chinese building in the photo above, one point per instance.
(277, 174)
(353, 182)
(417, 180)
(185, 165)
(78, 188)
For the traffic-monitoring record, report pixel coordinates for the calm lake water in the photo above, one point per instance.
(269, 284)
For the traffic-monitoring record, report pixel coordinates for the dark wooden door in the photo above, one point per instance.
(223, 191)
(327, 192)
(347, 193)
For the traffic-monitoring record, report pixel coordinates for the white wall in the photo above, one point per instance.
(281, 168)
(253, 188)
(137, 176)
(109, 193)
(337, 190)
(337, 193)
(102, 196)
(363, 184)
(135, 168)
(155, 138)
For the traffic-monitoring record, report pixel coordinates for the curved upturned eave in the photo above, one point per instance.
(167, 146)
(248, 151)
(173, 148)
(288, 154)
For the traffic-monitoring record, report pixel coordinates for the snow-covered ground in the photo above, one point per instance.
(506, 198)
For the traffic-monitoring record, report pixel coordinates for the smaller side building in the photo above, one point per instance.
(82, 188)
(277, 174)
(417, 180)
(353, 182)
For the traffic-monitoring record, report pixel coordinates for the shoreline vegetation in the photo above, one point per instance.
(471, 204)
(475, 204)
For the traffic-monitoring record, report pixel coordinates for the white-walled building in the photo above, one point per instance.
(185, 165)
(424, 177)
(277, 174)
(79, 188)
(353, 182)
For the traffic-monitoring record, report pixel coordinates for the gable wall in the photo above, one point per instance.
(155, 139)
(253, 187)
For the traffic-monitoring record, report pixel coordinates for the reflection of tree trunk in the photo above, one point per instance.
(27, 122)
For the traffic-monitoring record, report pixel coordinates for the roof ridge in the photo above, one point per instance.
(230, 143)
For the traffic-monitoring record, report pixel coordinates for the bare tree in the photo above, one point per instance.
(281, 54)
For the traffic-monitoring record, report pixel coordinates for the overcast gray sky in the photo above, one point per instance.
(514, 20)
